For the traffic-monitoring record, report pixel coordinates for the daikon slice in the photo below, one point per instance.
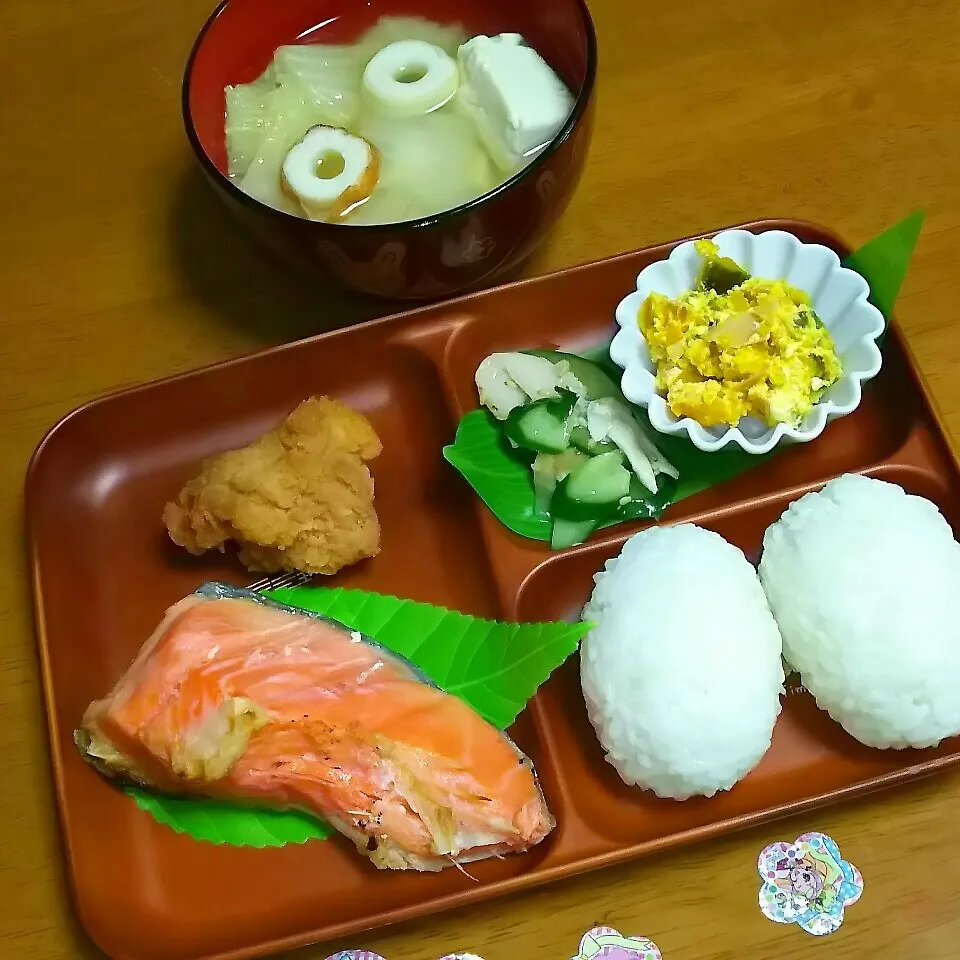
(429, 163)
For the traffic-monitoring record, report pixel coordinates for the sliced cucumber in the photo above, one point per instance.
(541, 425)
(600, 480)
(581, 439)
(596, 381)
(544, 483)
(568, 533)
(594, 490)
(548, 470)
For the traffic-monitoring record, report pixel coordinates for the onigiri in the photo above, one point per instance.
(863, 580)
(682, 671)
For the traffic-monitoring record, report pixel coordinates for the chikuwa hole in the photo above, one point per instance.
(410, 73)
(329, 165)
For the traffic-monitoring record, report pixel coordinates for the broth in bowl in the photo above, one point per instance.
(411, 119)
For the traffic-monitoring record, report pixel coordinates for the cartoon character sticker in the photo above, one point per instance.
(605, 943)
(367, 955)
(807, 883)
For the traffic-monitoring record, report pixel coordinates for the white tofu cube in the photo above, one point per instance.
(516, 99)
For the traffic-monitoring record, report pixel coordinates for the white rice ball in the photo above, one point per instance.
(864, 581)
(682, 672)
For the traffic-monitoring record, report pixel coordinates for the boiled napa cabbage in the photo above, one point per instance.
(246, 124)
(327, 74)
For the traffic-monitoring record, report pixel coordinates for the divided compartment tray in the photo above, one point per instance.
(104, 571)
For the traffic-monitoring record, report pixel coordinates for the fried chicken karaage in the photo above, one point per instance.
(298, 498)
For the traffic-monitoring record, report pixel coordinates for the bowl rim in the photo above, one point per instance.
(732, 434)
(435, 219)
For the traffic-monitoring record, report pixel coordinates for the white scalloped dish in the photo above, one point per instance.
(838, 295)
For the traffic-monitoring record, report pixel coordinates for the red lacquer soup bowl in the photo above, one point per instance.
(453, 251)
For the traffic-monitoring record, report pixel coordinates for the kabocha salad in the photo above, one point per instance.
(736, 346)
(591, 460)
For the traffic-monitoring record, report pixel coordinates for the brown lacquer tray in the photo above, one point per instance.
(104, 572)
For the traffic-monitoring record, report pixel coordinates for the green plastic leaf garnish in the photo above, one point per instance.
(501, 479)
(883, 261)
(494, 667)
(226, 823)
(700, 470)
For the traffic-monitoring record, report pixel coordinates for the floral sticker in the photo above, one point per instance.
(807, 883)
(355, 955)
(605, 943)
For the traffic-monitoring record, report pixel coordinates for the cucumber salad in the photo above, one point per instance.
(592, 463)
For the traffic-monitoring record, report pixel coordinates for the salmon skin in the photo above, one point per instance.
(238, 697)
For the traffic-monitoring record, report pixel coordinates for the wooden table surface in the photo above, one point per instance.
(116, 267)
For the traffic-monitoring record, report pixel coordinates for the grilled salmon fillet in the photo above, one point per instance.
(240, 698)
